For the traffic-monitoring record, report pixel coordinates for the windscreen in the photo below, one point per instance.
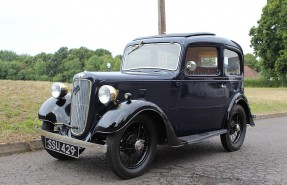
(152, 56)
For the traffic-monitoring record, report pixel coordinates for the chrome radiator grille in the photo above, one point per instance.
(81, 95)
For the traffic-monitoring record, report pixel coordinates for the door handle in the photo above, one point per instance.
(223, 85)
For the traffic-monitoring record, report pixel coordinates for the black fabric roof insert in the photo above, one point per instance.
(177, 35)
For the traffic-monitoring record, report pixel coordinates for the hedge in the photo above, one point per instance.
(264, 82)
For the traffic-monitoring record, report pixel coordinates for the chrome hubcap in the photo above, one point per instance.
(237, 127)
(139, 145)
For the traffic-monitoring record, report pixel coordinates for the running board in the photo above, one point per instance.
(198, 137)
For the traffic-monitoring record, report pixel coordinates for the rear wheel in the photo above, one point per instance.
(131, 150)
(50, 127)
(236, 130)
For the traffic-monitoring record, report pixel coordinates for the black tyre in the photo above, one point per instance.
(236, 130)
(131, 150)
(50, 127)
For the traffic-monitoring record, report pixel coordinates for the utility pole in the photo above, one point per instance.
(161, 17)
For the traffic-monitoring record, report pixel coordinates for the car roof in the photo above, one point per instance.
(187, 38)
(176, 35)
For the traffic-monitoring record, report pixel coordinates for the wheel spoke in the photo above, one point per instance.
(232, 137)
(237, 119)
(235, 128)
(139, 131)
(143, 136)
(134, 145)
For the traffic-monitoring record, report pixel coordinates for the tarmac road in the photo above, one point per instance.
(261, 160)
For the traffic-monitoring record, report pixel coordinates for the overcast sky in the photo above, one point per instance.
(35, 26)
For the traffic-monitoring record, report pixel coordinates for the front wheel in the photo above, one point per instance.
(131, 150)
(236, 130)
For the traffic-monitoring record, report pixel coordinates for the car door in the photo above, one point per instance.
(202, 95)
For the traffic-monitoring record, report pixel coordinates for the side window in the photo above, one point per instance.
(206, 59)
(231, 63)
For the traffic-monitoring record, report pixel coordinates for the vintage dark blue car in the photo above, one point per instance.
(173, 89)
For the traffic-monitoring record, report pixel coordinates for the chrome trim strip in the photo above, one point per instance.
(84, 144)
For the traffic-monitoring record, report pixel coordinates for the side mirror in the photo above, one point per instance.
(191, 66)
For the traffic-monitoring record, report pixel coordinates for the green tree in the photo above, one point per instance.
(251, 61)
(82, 54)
(117, 63)
(40, 69)
(281, 63)
(71, 67)
(3, 72)
(8, 56)
(104, 60)
(99, 63)
(269, 37)
(28, 60)
(60, 66)
(57, 60)
(10, 70)
(93, 64)
(101, 52)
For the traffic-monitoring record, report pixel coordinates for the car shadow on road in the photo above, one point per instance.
(168, 155)
(93, 165)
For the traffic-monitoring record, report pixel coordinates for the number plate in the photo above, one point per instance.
(63, 148)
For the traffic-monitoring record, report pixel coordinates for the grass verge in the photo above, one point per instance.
(19, 105)
(267, 100)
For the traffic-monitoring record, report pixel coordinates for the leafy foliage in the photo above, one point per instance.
(269, 38)
(60, 66)
(251, 61)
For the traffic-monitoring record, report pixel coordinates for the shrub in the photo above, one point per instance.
(265, 82)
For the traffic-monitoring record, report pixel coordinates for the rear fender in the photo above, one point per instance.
(56, 110)
(119, 117)
(240, 99)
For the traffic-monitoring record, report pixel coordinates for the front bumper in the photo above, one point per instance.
(84, 144)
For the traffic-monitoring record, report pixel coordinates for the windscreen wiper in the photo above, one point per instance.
(137, 47)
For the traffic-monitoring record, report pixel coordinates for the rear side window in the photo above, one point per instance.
(231, 63)
(206, 59)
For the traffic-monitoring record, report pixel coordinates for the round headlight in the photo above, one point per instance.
(107, 94)
(59, 90)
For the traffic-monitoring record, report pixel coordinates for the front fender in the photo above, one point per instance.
(241, 100)
(118, 117)
(56, 110)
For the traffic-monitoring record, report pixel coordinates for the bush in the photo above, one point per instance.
(265, 82)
